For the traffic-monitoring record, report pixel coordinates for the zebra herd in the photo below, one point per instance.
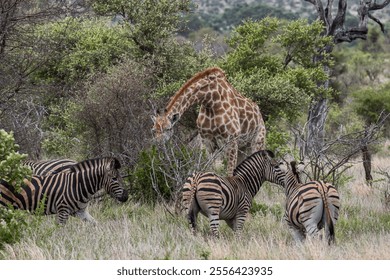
(66, 187)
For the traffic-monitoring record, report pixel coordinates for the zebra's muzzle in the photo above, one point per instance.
(124, 197)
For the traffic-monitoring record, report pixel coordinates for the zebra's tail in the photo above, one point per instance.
(186, 196)
(329, 225)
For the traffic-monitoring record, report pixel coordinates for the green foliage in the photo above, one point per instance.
(355, 221)
(63, 131)
(273, 62)
(303, 42)
(343, 120)
(370, 102)
(12, 225)
(11, 169)
(149, 23)
(147, 173)
(79, 48)
(160, 173)
(277, 138)
(263, 209)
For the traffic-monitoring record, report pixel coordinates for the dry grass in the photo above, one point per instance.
(134, 231)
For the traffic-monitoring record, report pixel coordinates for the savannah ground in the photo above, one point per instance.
(135, 231)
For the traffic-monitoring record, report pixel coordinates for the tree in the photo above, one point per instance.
(334, 26)
(19, 110)
(372, 104)
(150, 23)
(282, 81)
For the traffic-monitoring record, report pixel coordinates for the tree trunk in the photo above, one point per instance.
(366, 156)
(316, 126)
(334, 26)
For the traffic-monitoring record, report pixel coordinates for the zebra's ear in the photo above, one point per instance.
(300, 167)
(270, 154)
(283, 166)
(115, 164)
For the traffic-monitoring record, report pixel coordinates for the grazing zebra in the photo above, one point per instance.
(66, 193)
(50, 167)
(310, 206)
(229, 198)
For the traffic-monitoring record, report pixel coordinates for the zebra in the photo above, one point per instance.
(65, 193)
(50, 167)
(310, 206)
(229, 198)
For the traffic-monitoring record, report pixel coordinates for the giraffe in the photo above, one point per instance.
(225, 116)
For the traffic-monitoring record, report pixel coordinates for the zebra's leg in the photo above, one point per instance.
(298, 234)
(192, 215)
(214, 223)
(237, 223)
(85, 216)
(62, 216)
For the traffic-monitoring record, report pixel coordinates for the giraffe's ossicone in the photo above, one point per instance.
(226, 118)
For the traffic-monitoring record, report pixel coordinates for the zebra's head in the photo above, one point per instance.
(163, 126)
(115, 187)
(292, 169)
(263, 165)
(274, 173)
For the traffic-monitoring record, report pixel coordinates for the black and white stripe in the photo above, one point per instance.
(49, 167)
(66, 193)
(229, 198)
(310, 206)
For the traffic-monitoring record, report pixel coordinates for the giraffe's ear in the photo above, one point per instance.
(175, 118)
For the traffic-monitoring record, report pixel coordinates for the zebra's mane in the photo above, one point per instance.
(240, 167)
(87, 162)
(294, 171)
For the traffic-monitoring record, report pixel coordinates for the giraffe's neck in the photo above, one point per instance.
(182, 101)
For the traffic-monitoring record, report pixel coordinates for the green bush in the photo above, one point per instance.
(263, 209)
(11, 169)
(148, 173)
(160, 173)
(12, 225)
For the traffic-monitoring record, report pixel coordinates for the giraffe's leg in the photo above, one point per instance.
(232, 152)
(258, 142)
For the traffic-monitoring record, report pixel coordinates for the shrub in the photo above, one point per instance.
(12, 225)
(160, 173)
(11, 169)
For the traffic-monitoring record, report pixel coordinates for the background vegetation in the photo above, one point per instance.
(81, 80)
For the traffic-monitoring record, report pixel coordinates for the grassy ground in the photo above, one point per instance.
(134, 231)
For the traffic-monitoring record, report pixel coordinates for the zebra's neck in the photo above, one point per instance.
(88, 183)
(251, 180)
(291, 183)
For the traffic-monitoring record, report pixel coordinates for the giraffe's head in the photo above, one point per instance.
(163, 126)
